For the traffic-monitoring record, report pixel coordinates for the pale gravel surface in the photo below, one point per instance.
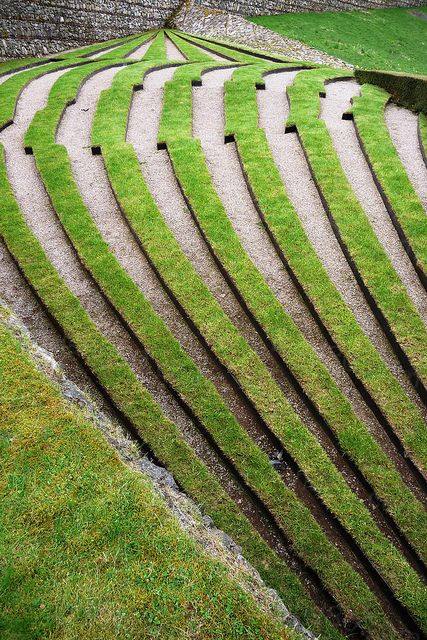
(343, 135)
(291, 163)
(93, 184)
(211, 96)
(402, 125)
(103, 52)
(172, 51)
(140, 51)
(146, 110)
(273, 105)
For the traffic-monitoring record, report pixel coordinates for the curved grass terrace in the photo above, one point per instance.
(329, 504)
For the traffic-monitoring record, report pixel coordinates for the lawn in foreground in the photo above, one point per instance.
(87, 548)
(373, 39)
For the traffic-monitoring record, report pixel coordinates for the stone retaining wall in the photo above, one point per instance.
(256, 7)
(38, 27)
(46, 26)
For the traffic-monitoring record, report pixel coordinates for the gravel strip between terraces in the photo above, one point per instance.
(292, 165)
(343, 134)
(402, 125)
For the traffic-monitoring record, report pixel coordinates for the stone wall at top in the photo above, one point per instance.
(256, 7)
(37, 27)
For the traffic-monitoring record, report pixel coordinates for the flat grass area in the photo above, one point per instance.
(377, 38)
(87, 547)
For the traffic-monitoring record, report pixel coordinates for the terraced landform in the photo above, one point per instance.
(232, 269)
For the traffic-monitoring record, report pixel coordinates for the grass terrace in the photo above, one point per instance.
(296, 421)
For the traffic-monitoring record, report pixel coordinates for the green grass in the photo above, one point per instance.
(374, 39)
(176, 366)
(409, 91)
(220, 49)
(87, 547)
(127, 48)
(43, 127)
(177, 115)
(157, 49)
(198, 393)
(286, 339)
(180, 371)
(180, 278)
(388, 296)
(8, 66)
(231, 46)
(240, 101)
(98, 47)
(134, 402)
(284, 225)
(188, 50)
(400, 197)
(11, 89)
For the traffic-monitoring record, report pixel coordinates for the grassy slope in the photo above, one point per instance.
(378, 38)
(88, 548)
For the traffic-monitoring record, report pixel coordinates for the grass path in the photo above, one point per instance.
(397, 192)
(371, 266)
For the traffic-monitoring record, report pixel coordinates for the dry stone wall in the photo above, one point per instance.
(256, 7)
(47, 26)
(38, 27)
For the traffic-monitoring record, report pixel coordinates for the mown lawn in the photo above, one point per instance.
(377, 38)
(87, 548)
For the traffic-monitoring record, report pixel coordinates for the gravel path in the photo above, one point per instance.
(210, 97)
(141, 51)
(146, 109)
(338, 95)
(172, 51)
(273, 107)
(403, 128)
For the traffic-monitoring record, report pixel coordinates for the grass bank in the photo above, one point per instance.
(375, 39)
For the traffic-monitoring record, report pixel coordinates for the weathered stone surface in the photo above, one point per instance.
(48, 26)
(194, 18)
